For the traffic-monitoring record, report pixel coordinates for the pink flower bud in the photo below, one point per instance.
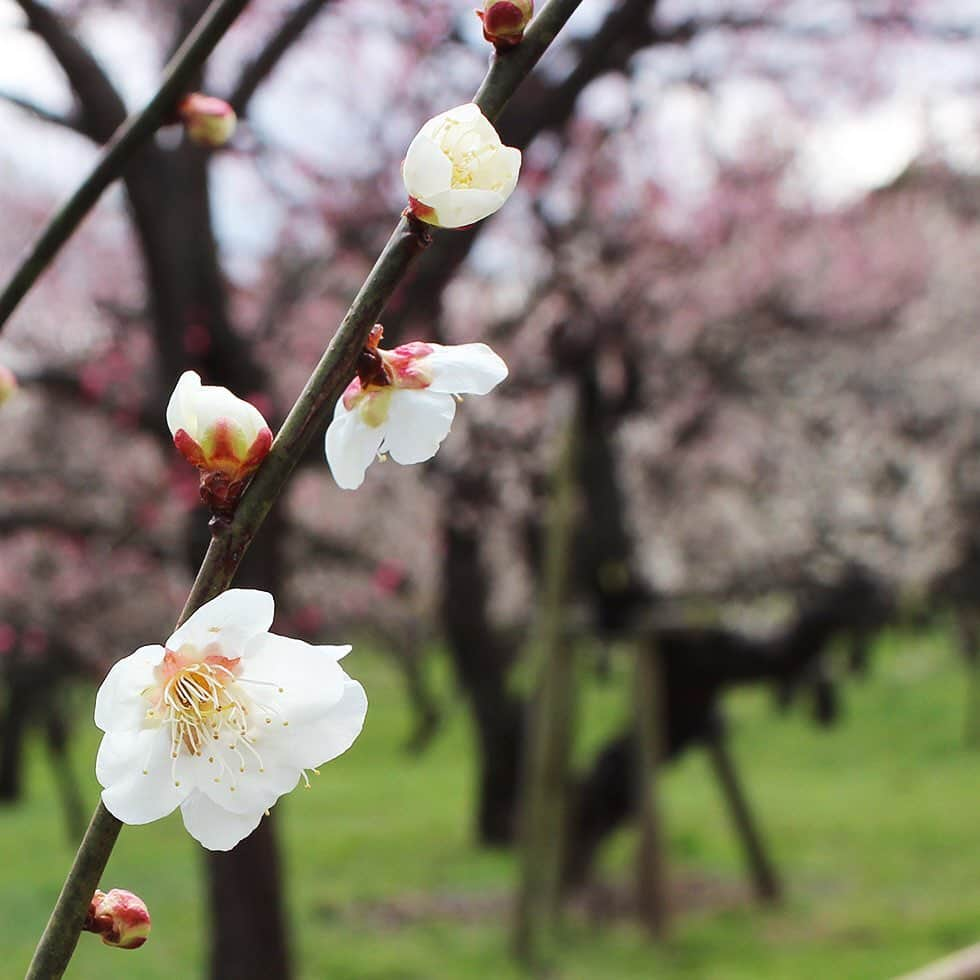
(504, 20)
(207, 120)
(8, 383)
(119, 917)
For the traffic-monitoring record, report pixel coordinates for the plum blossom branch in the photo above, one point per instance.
(120, 149)
(308, 415)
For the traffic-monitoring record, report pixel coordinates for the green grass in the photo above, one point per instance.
(873, 824)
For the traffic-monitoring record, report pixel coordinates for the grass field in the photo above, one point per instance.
(874, 826)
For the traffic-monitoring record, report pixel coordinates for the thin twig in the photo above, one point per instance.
(229, 542)
(38, 111)
(255, 72)
(120, 150)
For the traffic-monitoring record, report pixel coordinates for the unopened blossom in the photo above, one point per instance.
(207, 120)
(8, 383)
(224, 436)
(504, 21)
(403, 402)
(221, 721)
(119, 917)
(457, 171)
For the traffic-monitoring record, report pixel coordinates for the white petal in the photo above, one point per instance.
(468, 112)
(230, 619)
(418, 421)
(324, 740)
(178, 408)
(119, 705)
(465, 206)
(464, 369)
(500, 171)
(351, 447)
(195, 408)
(239, 783)
(130, 794)
(427, 171)
(301, 682)
(214, 827)
(212, 402)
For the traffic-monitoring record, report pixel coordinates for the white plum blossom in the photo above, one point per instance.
(457, 171)
(403, 402)
(222, 721)
(215, 430)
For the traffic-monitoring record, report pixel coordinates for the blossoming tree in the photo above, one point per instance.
(397, 400)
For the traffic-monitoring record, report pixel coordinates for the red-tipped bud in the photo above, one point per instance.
(8, 383)
(223, 436)
(119, 917)
(207, 120)
(504, 21)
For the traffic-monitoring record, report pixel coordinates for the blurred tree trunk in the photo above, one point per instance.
(544, 786)
(481, 665)
(651, 858)
(20, 689)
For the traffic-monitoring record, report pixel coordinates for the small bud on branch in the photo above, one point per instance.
(119, 917)
(207, 120)
(222, 435)
(8, 383)
(504, 21)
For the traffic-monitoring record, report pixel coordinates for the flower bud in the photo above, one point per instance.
(457, 171)
(119, 917)
(8, 383)
(223, 436)
(504, 21)
(207, 120)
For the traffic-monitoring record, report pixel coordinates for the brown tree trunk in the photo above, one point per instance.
(481, 666)
(248, 934)
(14, 730)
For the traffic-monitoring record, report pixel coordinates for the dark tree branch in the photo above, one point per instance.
(125, 142)
(259, 68)
(101, 107)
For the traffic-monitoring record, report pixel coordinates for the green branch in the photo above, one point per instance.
(308, 416)
(120, 150)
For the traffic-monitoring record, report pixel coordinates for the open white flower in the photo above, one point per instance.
(221, 722)
(215, 430)
(457, 171)
(403, 402)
